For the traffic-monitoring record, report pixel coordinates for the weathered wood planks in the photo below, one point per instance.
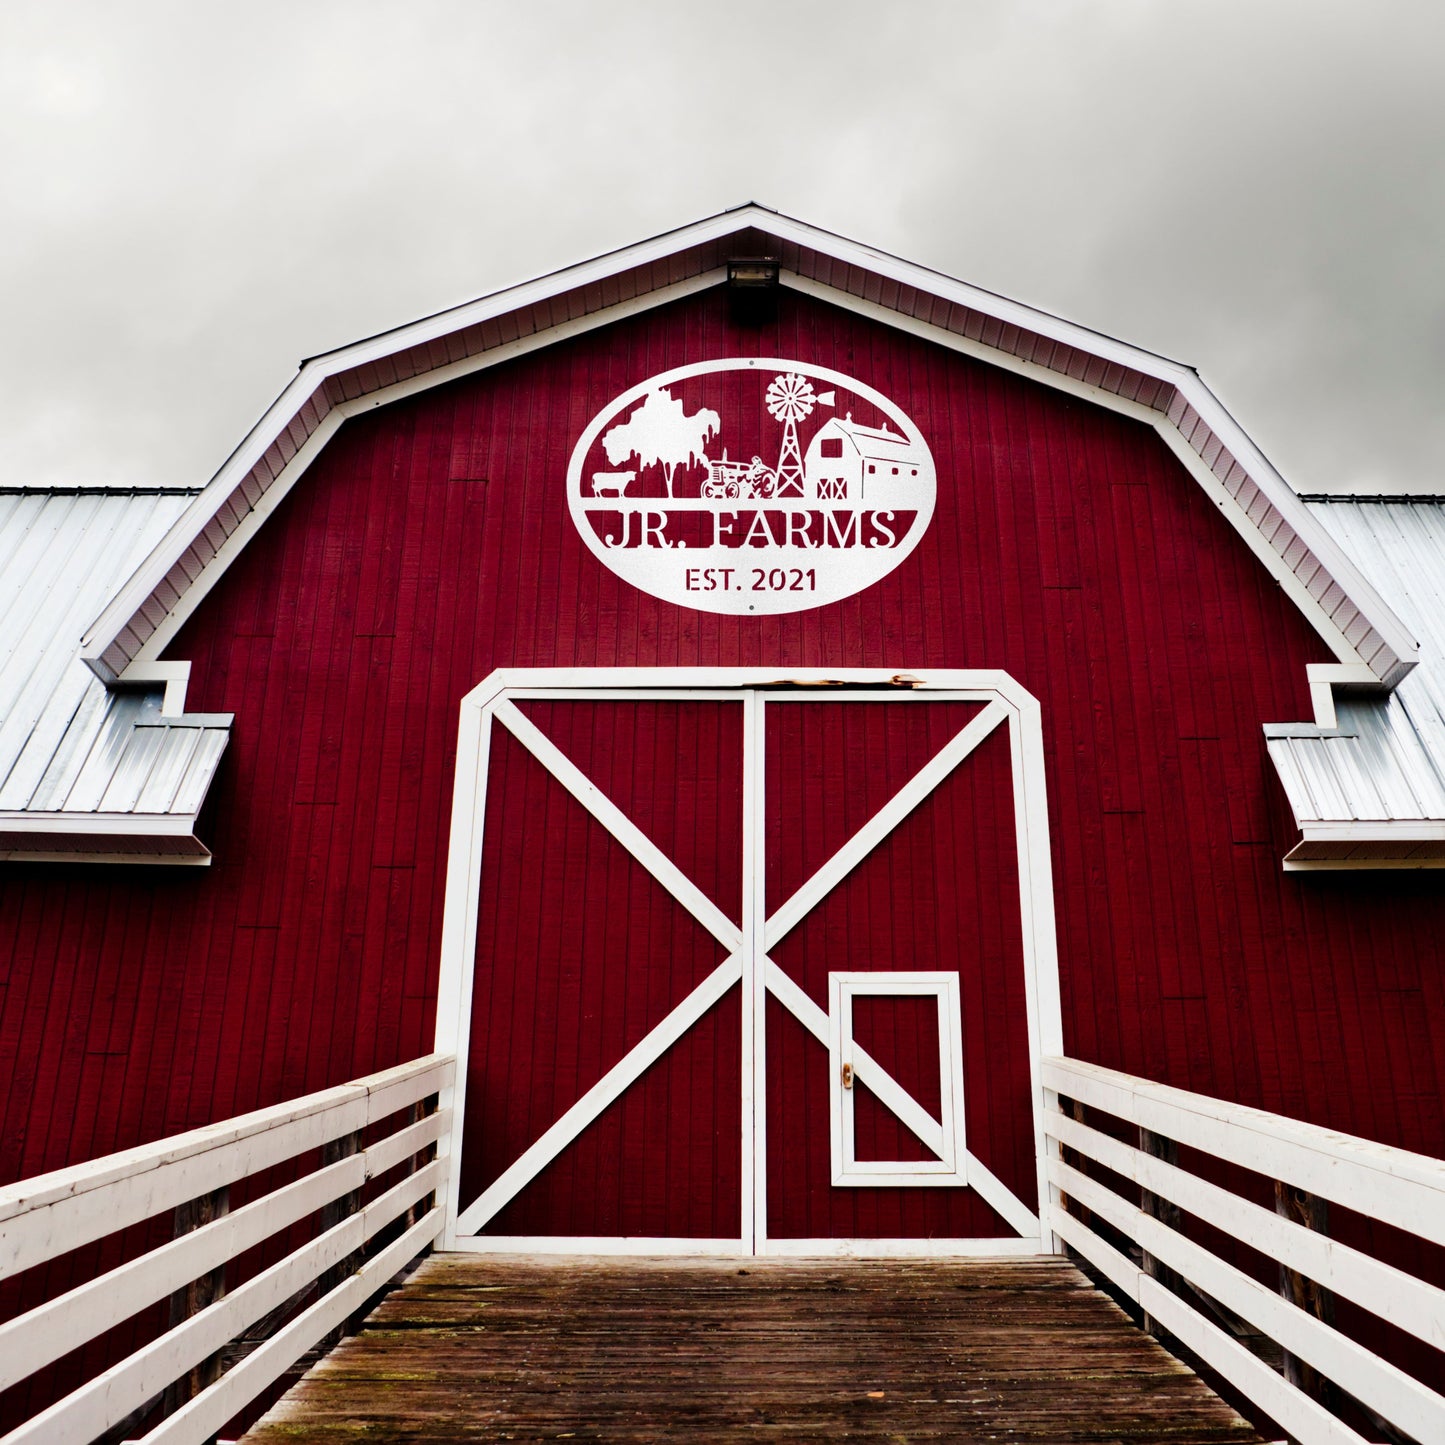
(898, 1350)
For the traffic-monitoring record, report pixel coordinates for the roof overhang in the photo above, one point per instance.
(31, 837)
(1372, 646)
(1368, 843)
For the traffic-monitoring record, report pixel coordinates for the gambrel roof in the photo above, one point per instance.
(129, 714)
(1372, 645)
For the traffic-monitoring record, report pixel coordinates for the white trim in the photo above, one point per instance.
(1004, 1202)
(100, 825)
(995, 1193)
(1355, 864)
(759, 975)
(881, 824)
(572, 1245)
(141, 586)
(1324, 677)
(1004, 1247)
(162, 860)
(1381, 489)
(1280, 495)
(755, 986)
(866, 1068)
(1375, 830)
(459, 940)
(568, 1248)
(945, 1136)
(620, 826)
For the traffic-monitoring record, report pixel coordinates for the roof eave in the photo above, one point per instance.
(59, 837)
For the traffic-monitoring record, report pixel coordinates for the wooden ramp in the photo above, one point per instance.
(473, 1348)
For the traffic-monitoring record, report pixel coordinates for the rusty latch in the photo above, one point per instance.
(847, 1076)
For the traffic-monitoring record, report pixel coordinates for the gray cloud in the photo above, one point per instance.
(194, 197)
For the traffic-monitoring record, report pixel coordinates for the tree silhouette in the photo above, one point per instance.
(660, 433)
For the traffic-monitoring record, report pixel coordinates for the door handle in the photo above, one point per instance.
(847, 1076)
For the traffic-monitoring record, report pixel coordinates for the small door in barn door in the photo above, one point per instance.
(742, 969)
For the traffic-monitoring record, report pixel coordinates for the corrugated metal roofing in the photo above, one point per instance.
(72, 752)
(78, 760)
(1386, 766)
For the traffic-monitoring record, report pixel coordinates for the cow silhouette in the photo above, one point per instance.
(614, 482)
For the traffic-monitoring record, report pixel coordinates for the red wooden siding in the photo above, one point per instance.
(675, 769)
(430, 543)
(902, 1035)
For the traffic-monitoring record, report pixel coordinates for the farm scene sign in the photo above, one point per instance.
(750, 485)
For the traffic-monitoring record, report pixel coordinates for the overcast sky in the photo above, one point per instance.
(195, 196)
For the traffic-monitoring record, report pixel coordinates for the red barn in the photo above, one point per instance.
(753, 845)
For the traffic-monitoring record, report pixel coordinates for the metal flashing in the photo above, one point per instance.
(1371, 792)
(86, 771)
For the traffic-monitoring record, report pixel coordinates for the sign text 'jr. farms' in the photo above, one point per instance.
(751, 486)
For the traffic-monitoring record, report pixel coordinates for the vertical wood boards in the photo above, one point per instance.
(580, 954)
(430, 544)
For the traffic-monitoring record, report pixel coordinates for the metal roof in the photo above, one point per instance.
(1374, 788)
(85, 769)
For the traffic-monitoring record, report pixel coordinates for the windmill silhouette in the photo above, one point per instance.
(790, 399)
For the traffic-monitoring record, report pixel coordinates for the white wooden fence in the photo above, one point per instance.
(45, 1217)
(1393, 1186)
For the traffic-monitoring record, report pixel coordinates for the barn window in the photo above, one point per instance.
(871, 469)
(831, 447)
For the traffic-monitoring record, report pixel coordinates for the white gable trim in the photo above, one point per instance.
(1347, 612)
(1300, 520)
(139, 593)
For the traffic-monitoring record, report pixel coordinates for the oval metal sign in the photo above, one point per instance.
(751, 486)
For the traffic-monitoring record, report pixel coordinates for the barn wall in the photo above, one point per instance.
(431, 543)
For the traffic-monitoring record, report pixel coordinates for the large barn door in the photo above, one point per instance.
(602, 1095)
(897, 1058)
(744, 969)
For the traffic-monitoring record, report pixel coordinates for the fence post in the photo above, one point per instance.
(1314, 1299)
(198, 1293)
(331, 1215)
(1073, 1109)
(417, 1113)
(1166, 1213)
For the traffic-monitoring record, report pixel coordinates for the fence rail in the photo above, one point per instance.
(1392, 1186)
(1123, 1207)
(191, 1174)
